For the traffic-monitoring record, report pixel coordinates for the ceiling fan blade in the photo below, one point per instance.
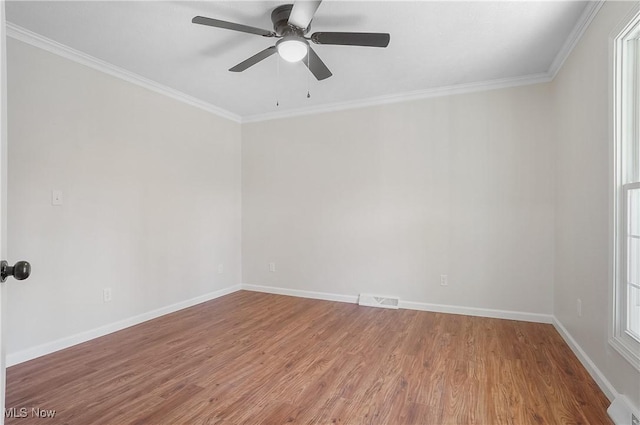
(254, 59)
(302, 12)
(371, 39)
(232, 26)
(316, 66)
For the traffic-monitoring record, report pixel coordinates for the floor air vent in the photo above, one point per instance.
(378, 301)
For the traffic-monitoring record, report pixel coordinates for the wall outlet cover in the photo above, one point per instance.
(106, 295)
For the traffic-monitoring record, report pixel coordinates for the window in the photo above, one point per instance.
(626, 324)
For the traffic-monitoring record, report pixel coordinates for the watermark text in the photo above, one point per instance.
(25, 412)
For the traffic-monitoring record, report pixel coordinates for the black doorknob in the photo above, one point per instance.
(20, 271)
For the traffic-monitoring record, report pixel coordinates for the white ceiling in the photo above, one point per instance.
(434, 44)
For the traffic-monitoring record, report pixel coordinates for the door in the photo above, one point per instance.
(3, 192)
(21, 269)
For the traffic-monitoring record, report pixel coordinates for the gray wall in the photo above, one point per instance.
(386, 199)
(584, 180)
(151, 191)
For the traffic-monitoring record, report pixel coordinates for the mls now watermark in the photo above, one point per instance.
(34, 412)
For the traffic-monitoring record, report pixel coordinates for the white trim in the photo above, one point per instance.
(405, 97)
(66, 342)
(621, 345)
(300, 293)
(408, 305)
(590, 12)
(34, 39)
(22, 34)
(479, 312)
(3, 204)
(625, 345)
(621, 407)
(51, 46)
(591, 367)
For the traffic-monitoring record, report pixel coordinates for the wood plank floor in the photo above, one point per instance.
(252, 358)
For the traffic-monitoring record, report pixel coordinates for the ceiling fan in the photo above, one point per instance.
(291, 23)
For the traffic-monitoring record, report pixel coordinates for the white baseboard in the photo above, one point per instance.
(300, 293)
(593, 370)
(408, 305)
(621, 408)
(479, 312)
(62, 343)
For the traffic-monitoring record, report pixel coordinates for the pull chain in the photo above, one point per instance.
(277, 80)
(308, 63)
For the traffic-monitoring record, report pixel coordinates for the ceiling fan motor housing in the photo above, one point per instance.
(280, 19)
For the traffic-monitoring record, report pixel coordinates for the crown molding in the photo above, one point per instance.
(590, 12)
(22, 34)
(405, 97)
(34, 39)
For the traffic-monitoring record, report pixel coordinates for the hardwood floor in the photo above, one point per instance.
(252, 358)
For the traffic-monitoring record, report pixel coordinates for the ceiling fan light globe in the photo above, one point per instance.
(292, 49)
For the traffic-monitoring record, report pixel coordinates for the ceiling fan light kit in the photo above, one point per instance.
(292, 48)
(291, 23)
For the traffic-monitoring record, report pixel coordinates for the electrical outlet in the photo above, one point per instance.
(444, 280)
(220, 268)
(106, 295)
(272, 267)
(579, 307)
